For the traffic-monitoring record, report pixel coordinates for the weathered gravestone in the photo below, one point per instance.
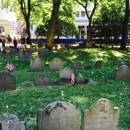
(11, 122)
(76, 65)
(65, 75)
(22, 55)
(42, 80)
(12, 52)
(43, 52)
(98, 64)
(56, 64)
(36, 64)
(90, 82)
(29, 56)
(7, 81)
(81, 79)
(59, 116)
(26, 84)
(101, 116)
(122, 73)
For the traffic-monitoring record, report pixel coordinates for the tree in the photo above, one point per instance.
(108, 19)
(51, 30)
(87, 5)
(24, 7)
(62, 13)
(65, 22)
(125, 25)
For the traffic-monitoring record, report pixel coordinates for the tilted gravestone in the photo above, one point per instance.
(42, 80)
(65, 75)
(98, 64)
(11, 122)
(101, 116)
(122, 73)
(56, 64)
(36, 64)
(76, 65)
(59, 116)
(7, 81)
(43, 52)
(81, 79)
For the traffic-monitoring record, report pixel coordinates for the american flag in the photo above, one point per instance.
(9, 66)
(73, 77)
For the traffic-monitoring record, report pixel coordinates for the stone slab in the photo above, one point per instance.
(59, 116)
(102, 115)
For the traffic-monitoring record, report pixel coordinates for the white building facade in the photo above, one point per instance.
(14, 27)
(82, 22)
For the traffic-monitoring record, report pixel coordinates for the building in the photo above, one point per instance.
(14, 27)
(82, 22)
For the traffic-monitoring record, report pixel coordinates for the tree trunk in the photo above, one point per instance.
(89, 38)
(51, 30)
(27, 25)
(124, 26)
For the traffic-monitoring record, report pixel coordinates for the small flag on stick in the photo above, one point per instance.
(73, 77)
(9, 66)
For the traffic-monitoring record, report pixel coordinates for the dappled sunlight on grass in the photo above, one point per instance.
(72, 57)
(79, 99)
(25, 102)
(117, 54)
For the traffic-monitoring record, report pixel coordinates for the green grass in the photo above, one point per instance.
(25, 103)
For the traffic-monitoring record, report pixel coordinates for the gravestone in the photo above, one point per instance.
(101, 116)
(122, 73)
(98, 64)
(76, 65)
(56, 64)
(29, 56)
(59, 116)
(43, 52)
(21, 55)
(65, 75)
(7, 81)
(103, 80)
(11, 122)
(81, 79)
(90, 82)
(42, 80)
(13, 52)
(26, 84)
(36, 64)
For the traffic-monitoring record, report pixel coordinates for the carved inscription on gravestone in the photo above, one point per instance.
(101, 116)
(56, 64)
(59, 116)
(11, 122)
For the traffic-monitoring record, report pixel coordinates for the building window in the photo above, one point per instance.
(77, 13)
(82, 13)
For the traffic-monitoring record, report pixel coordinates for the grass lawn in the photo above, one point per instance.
(25, 103)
